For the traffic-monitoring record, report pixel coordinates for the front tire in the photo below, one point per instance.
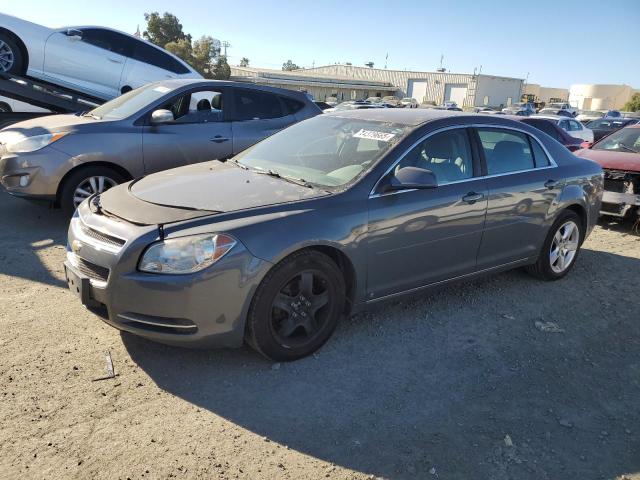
(560, 249)
(84, 182)
(11, 58)
(297, 306)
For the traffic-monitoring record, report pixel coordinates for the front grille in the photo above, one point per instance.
(619, 186)
(91, 270)
(102, 237)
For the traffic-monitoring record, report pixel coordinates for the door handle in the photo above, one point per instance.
(550, 184)
(472, 197)
(219, 139)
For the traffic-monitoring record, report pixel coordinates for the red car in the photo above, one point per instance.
(619, 156)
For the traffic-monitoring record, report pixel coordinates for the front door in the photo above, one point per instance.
(91, 61)
(199, 132)
(420, 237)
(522, 184)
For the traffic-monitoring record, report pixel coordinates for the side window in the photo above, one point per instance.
(575, 126)
(505, 150)
(446, 154)
(153, 56)
(540, 158)
(107, 40)
(291, 106)
(564, 124)
(197, 107)
(546, 126)
(255, 105)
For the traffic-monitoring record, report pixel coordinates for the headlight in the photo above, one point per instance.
(185, 254)
(31, 144)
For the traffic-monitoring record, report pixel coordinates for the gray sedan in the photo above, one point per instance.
(67, 158)
(325, 218)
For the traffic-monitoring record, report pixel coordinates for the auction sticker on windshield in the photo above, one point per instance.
(373, 135)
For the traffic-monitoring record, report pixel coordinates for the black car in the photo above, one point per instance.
(322, 105)
(604, 126)
(554, 131)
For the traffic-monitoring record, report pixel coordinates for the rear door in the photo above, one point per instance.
(420, 237)
(257, 115)
(522, 183)
(200, 131)
(92, 62)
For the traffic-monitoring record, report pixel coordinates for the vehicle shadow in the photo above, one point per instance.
(430, 387)
(28, 247)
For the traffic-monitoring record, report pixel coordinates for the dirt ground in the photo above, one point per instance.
(471, 382)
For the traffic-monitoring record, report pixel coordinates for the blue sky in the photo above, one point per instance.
(556, 42)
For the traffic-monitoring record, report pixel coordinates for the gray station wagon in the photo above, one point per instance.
(325, 218)
(67, 158)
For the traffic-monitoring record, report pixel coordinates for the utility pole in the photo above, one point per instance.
(224, 45)
(385, 60)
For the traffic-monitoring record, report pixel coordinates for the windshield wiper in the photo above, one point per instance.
(627, 147)
(89, 114)
(238, 164)
(297, 181)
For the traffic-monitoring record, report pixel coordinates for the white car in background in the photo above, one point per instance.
(570, 125)
(11, 105)
(563, 106)
(585, 116)
(95, 60)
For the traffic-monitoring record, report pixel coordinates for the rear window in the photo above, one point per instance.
(255, 105)
(292, 106)
(151, 55)
(545, 126)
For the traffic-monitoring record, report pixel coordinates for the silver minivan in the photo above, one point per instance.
(66, 158)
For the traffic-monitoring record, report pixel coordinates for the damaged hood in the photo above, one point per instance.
(626, 161)
(198, 190)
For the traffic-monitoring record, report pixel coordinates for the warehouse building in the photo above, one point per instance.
(348, 82)
(600, 97)
(536, 93)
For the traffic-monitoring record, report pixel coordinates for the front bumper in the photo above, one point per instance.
(204, 309)
(40, 171)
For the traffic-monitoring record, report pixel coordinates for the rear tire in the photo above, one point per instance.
(297, 306)
(90, 180)
(5, 107)
(11, 58)
(560, 249)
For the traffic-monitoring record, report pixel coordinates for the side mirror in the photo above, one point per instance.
(73, 33)
(409, 178)
(158, 117)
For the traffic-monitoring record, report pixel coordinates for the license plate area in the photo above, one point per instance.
(79, 286)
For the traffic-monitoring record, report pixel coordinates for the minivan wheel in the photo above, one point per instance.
(11, 60)
(296, 307)
(85, 182)
(560, 249)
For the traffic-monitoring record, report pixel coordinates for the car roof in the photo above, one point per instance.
(551, 117)
(175, 83)
(417, 116)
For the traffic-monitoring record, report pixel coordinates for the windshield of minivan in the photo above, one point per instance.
(129, 103)
(326, 151)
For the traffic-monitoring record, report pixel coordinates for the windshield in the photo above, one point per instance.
(606, 123)
(129, 103)
(625, 140)
(325, 150)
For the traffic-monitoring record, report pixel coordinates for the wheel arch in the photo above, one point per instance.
(121, 170)
(582, 214)
(339, 257)
(21, 46)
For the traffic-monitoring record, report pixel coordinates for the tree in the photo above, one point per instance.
(181, 48)
(163, 29)
(244, 62)
(221, 69)
(204, 53)
(289, 65)
(633, 105)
